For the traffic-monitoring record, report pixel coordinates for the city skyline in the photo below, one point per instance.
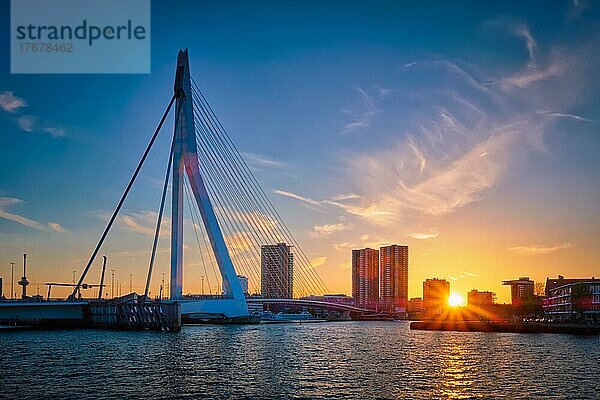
(481, 159)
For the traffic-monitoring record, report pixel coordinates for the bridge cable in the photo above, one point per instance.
(234, 212)
(223, 208)
(161, 209)
(265, 199)
(260, 213)
(229, 191)
(193, 216)
(122, 200)
(228, 213)
(207, 184)
(254, 211)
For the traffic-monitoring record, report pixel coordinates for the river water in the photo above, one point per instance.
(361, 360)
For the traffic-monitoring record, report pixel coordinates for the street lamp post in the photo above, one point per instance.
(162, 285)
(130, 287)
(12, 280)
(112, 283)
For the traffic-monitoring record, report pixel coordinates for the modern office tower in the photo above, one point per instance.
(480, 299)
(435, 294)
(365, 278)
(276, 271)
(520, 289)
(393, 266)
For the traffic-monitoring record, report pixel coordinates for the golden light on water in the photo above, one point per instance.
(456, 300)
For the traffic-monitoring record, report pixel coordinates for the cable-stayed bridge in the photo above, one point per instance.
(231, 215)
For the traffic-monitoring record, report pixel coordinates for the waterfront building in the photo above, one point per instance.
(520, 290)
(435, 295)
(365, 278)
(243, 283)
(572, 300)
(393, 264)
(415, 305)
(480, 299)
(276, 270)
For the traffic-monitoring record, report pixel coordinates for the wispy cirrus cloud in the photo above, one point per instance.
(26, 122)
(7, 202)
(463, 133)
(54, 132)
(352, 204)
(532, 76)
(538, 249)
(362, 114)
(55, 226)
(11, 103)
(139, 222)
(564, 115)
(318, 261)
(328, 229)
(303, 199)
(376, 212)
(463, 275)
(365, 240)
(522, 31)
(260, 161)
(142, 222)
(424, 235)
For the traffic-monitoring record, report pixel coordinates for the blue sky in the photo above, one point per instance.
(467, 130)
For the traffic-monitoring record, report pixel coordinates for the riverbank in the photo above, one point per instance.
(490, 326)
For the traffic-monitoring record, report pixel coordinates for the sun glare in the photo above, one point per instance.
(456, 300)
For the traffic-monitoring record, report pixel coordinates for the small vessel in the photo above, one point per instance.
(268, 317)
(218, 319)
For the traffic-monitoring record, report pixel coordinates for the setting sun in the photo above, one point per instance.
(456, 300)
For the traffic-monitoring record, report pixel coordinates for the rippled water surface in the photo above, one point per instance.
(330, 360)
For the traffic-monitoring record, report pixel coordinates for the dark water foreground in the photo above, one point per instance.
(329, 360)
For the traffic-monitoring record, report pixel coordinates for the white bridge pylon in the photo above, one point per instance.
(186, 160)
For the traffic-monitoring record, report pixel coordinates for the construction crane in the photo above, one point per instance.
(82, 286)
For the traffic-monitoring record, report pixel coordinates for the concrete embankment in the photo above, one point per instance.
(128, 313)
(484, 326)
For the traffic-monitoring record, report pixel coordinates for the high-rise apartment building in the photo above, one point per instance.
(277, 271)
(520, 290)
(480, 299)
(393, 266)
(365, 278)
(435, 294)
